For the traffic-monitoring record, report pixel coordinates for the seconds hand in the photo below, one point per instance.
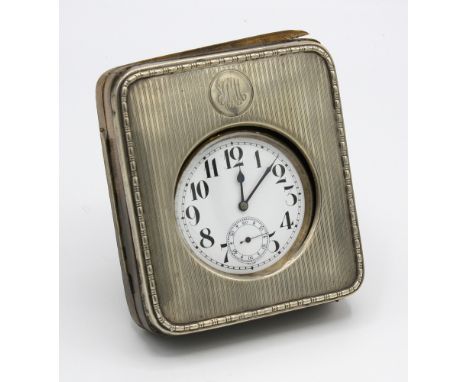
(248, 239)
(267, 171)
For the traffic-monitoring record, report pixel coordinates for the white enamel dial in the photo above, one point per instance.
(240, 203)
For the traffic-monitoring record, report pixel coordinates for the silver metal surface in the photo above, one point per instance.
(152, 117)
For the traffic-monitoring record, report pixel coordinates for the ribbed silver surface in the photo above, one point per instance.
(170, 114)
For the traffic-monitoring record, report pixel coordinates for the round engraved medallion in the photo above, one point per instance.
(231, 92)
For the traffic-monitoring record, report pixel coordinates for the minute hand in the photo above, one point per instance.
(267, 171)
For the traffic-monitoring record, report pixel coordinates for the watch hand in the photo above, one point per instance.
(248, 239)
(267, 171)
(243, 205)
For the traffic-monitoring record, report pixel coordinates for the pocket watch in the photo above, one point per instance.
(243, 201)
(230, 184)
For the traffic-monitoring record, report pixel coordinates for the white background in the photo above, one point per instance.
(363, 338)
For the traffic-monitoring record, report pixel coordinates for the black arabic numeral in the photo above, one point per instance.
(275, 243)
(278, 170)
(294, 199)
(211, 168)
(192, 213)
(227, 251)
(286, 222)
(294, 196)
(257, 157)
(205, 233)
(201, 190)
(235, 153)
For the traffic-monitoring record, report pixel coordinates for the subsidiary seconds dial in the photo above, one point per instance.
(243, 202)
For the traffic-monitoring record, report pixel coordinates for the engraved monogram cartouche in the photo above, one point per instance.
(231, 92)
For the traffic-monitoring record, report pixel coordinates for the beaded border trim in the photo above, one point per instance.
(138, 207)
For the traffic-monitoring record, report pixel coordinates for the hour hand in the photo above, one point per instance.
(243, 205)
